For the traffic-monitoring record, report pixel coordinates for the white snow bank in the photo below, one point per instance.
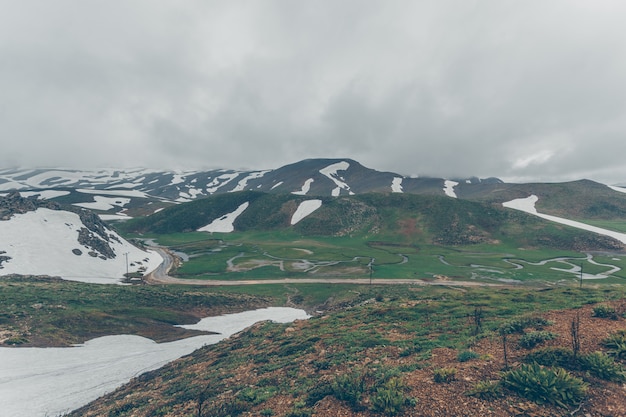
(41, 242)
(304, 209)
(242, 184)
(396, 185)
(305, 187)
(44, 194)
(220, 181)
(123, 193)
(331, 173)
(104, 203)
(225, 223)
(616, 188)
(528, 205)
(37, 382)
(448, 188)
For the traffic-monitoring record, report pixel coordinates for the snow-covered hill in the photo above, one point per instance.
(118, 193)
(72, 245)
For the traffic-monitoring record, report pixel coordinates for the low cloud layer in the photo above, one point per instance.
(526, 91)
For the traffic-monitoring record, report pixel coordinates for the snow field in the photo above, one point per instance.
(41, 243)
(528, 205)
(39, 382)
(304, 209)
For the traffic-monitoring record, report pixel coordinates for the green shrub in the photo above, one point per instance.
(616, 344)
(267, 412)
(391, 398)
(532, 339)
(299, 413)
(519, 325)
(602, 366)
(444, 375)
(552, 356)
(319, 392)
(466, 355)
(604, 311)
(485, 390)
(545, 385)
(350, 388)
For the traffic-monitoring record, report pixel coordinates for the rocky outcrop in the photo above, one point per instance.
(94, 235)
(16, 204)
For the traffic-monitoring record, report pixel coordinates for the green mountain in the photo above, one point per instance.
(401, 218)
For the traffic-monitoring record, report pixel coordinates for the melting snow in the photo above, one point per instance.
(331, 172)
(225, 223)
(304, 209)
(305, 187)
(277, 185)
(53, 381)
(244, 182)
(123, 193)
(528, 205)
(44, 194)
(615, 188)
(104, 203)
(220, 181)
(396, 185)
(449, 188)
(41, 242)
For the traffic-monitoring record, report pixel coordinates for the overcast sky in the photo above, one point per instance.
(531, 90)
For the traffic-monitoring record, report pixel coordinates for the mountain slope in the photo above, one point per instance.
(41, 238)
(403, 218)
(134, 193)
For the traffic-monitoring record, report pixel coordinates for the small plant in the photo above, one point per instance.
(299, 413)
(605, 312)
(350, 388)
(267, 412)
(603, 366)
(616, 344)
(466, 355)
(444, 375)
(390, 399)
(546, 385)
(319, 392)
(552, 356)
(485, 390)
(532, 339)
(519, 325)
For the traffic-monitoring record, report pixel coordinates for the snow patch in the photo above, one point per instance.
(44, 194)
(225, 223)
(528, 205)
(220, 181)
(54, 381)
(104, 203)
(276, 185)
(448, 188)
(244, 182)
(41, 242)
(616, 188)
(331, 173)
(108, 191)
(396, 185)
(305, 187)
(304, 209)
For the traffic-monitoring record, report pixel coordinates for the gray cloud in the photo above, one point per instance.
(521, 90)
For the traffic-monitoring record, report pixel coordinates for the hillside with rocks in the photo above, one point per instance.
(41, 237)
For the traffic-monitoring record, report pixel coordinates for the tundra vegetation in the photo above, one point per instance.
(538, 343)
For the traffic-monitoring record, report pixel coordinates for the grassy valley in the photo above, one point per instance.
(494, 308)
